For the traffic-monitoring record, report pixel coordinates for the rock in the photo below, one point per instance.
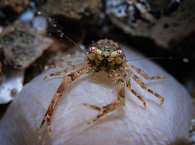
(163, 125)
(17, 5)
(22, 45)
(166, 30)
(74, 9)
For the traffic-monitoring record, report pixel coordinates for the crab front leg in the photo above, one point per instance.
(66, 63)
(67, 80)
(112, 106)
(144, 75)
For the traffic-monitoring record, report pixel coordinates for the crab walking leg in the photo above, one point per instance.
(67, 80)
(66, 63)
(92, 107)
(55, 74)
(112, 106)
(144, 75)
(128, 84)
(143, 86)
(63, 65)
(70, 62)
(71, 66)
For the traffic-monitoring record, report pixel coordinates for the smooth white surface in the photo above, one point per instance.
(131, 125)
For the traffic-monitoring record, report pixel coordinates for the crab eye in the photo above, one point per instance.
(92, 49)
(117, 53)
(121, 52)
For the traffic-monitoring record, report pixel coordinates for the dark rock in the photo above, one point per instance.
(167, 28)
(16, 5)
(22, 45)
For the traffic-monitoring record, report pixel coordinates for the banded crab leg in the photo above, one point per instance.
(112, 106)
(69, 67)
(145, 75)
(128, 84)
(143, 86)
(67, 62)
(67, 80)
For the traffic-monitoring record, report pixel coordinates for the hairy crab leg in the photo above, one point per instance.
(128, 84)
(70, 66)
(112, 106)
(67, 62)
(67, 80)
(55, 74)
(144, 75)
(143, 86)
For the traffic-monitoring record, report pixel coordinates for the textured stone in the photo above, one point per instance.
(22, 45)
(167, 30)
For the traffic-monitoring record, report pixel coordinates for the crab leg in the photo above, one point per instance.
(112, 106)
(143, 86)
(143, 74)
(67, 80)
(128, 84)
(70, 66)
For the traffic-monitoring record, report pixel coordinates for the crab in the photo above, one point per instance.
(103, 55)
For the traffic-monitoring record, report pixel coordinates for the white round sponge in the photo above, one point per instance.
(130, 125)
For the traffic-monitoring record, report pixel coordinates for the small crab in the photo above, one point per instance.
(104, 55)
